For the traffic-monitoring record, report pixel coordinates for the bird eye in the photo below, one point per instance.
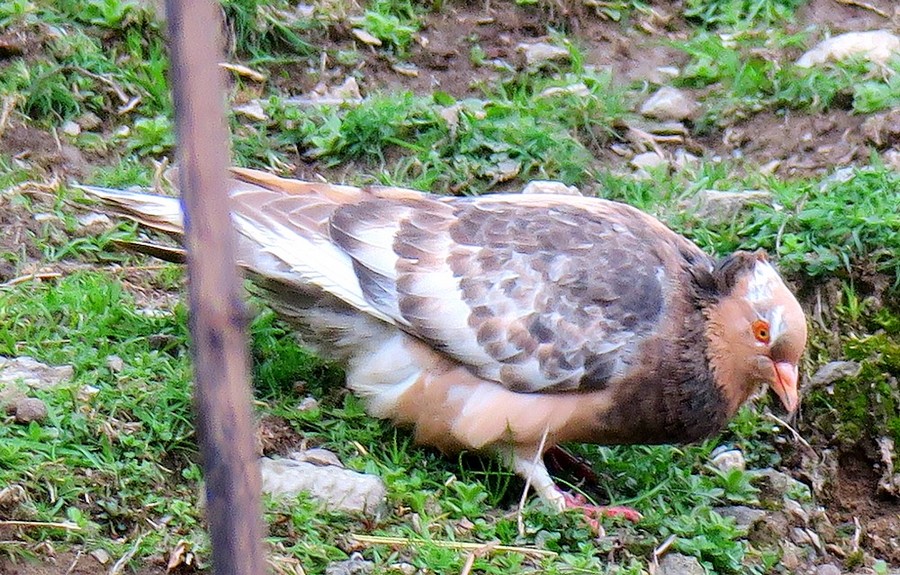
(761, 331)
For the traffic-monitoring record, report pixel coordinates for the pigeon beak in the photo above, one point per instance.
(785, 385)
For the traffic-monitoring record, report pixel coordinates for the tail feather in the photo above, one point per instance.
(282, 230)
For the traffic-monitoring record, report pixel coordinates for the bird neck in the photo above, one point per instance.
(724, 358)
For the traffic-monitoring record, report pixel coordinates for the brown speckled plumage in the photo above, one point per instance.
(497, 322)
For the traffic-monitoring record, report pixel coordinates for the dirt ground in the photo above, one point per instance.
(801, 144)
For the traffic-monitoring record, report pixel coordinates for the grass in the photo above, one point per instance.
(117, 453)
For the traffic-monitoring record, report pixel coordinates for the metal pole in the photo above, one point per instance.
(217, 316)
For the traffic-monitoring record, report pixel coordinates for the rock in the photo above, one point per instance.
(832, 372)
(89, 121)
(252, 110)
(93, 221)
(115, 363)
(345, 93)
(406, 69)
(791, 556)
(771, 529)
(670, 104)
(365, 37)
(101, 556)
(874, 45)
(404, 568)
(317, 456)
(308, 403)
(678, 564)
(889, 483)
(541, 53)
(803, 536)
(796, 511)
(550, 187)
(30, 409)
(891, 159)
(70, 128)
(775, 485)
(34, 374)
(20, 373)
(883, 130)
(828, 569)
(580, 90)
(743, 516)
(683, 159)
(356, 565)
(715, 207)
(648, 160)
(726, 459)
(336, 488)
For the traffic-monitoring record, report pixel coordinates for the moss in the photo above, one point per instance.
(866, 406)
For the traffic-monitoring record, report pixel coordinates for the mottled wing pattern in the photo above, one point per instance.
(546, 293)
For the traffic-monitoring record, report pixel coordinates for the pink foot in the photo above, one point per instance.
(592, 512)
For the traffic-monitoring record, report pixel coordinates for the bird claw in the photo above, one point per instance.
(592, 512)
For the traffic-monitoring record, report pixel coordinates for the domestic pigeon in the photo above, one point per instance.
(511, 323)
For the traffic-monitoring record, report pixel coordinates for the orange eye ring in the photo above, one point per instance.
(761, 331)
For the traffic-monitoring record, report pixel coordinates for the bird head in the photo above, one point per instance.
(756, 330)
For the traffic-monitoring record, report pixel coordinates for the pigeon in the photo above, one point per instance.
(510, 323)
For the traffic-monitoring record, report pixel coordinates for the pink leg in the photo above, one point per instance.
(591, 512)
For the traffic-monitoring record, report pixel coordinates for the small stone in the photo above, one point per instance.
(87, 392)
(308, 403)
(541, 53)
(550, 187)
(93, 220)
(336, 488)
(796, 511)
(70, 128)
(670, 72)
(802, 536)
(716, 207)
(648, 160)
(892, 159)
(404, 568)
(30, 409)
(317, 456)
(670, 104)
(122, 132)
(89, 121)
(365, 37)
(406, 69)
(770, 530)
(115, 363)
(775, 485)
(42, 217)
(17, 374)
(244, 71)
(726, 459)
(834, 371)
(828, 569)
(791, 556)
(683, 159)
(252, 110)
(678, 564)
(356, 565)
(743, 516)
(883, 130)
(162, 341)
(101, 556)
(580, 90)
(874, 45)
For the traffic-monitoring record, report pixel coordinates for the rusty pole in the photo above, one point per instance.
(222, 397)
